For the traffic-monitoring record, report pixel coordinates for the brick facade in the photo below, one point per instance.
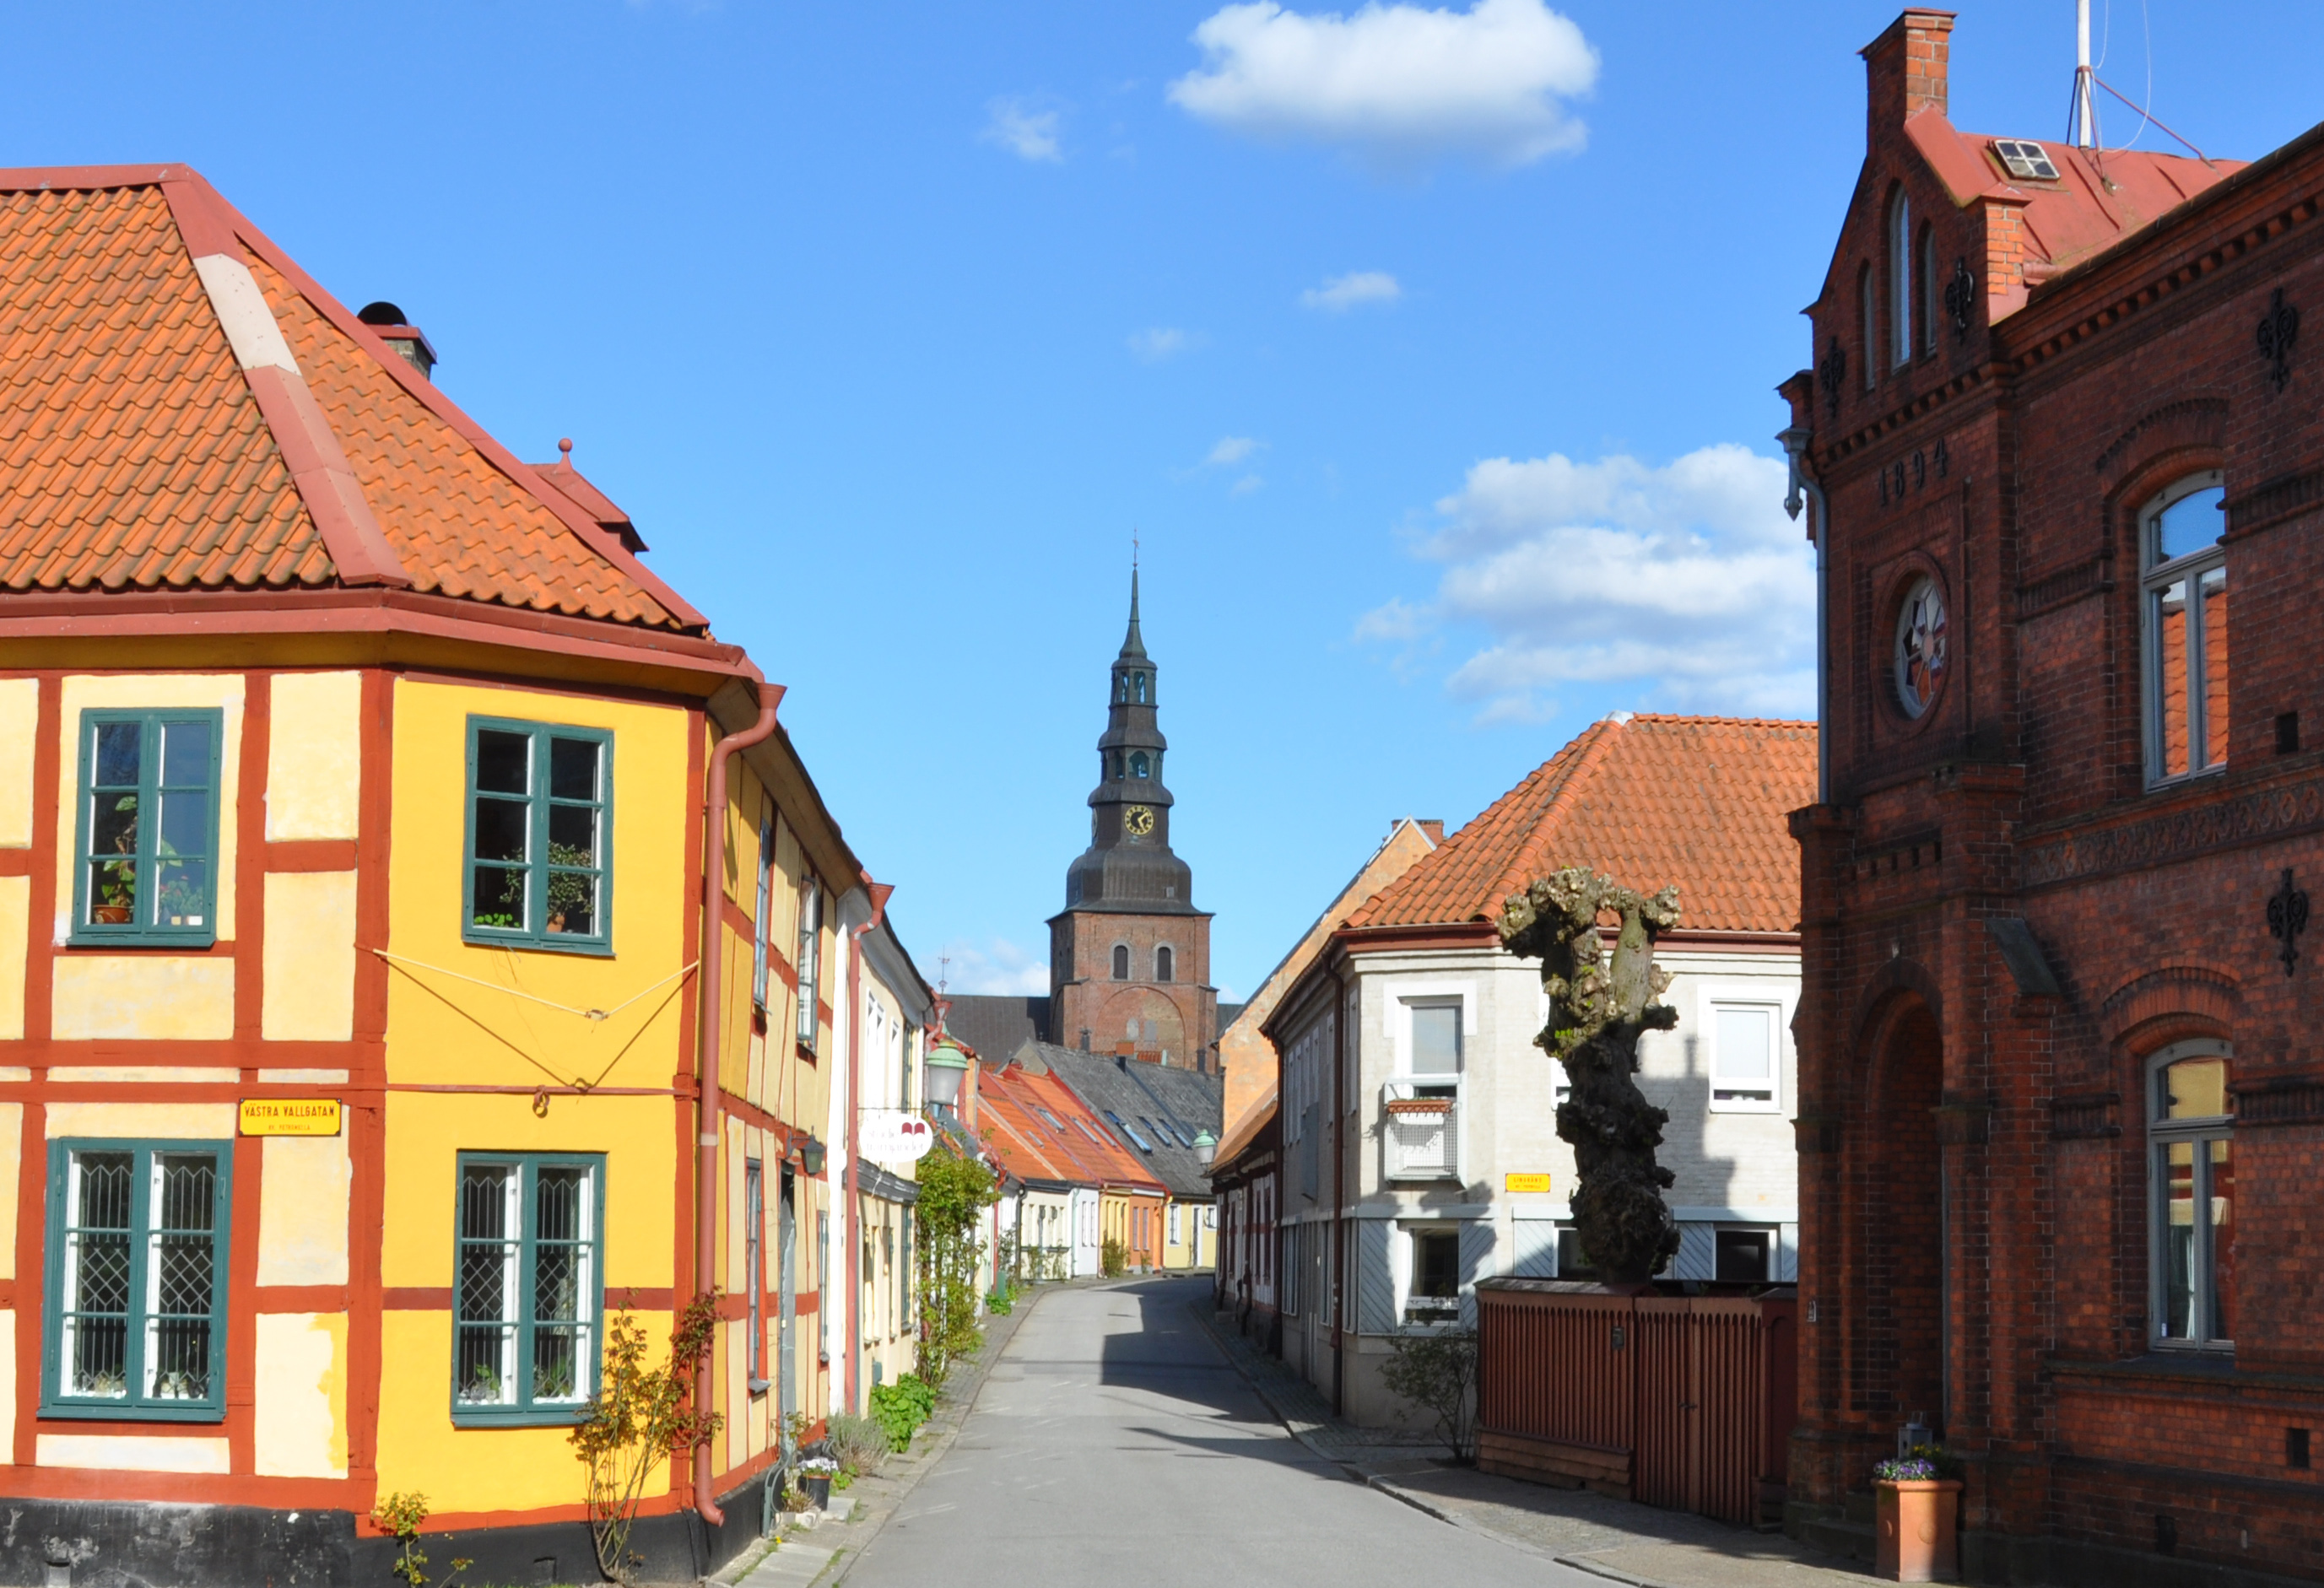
(1171, 1022)
(1977, 1200)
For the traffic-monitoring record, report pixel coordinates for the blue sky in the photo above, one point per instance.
(1430, 354)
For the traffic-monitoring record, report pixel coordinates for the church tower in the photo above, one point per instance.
(1129, 955)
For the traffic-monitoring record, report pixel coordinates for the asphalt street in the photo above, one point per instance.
(1112, 1441)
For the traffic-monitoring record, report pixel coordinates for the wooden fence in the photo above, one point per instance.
(1681, 1402)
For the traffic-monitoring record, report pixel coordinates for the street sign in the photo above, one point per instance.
(297, 1116)
(1521, 1184)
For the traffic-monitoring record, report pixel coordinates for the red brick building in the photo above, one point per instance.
(2061, 1111)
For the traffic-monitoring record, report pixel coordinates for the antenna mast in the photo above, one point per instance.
(2084, 112)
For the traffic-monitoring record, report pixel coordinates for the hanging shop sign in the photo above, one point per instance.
(290, 1116)
(894, 1135)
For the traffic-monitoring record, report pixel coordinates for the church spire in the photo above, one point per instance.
(1132, 644)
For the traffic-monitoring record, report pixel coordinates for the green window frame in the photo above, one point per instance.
(135, 1282)
(137, 880)
(537, 866)
(528, 1287)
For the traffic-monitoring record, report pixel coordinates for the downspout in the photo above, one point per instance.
(854, 1223)
(705, 1155)
(1796, 442)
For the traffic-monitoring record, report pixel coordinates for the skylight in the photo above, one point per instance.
(2025, 159)
(1140, 1142)
(1046, 1115)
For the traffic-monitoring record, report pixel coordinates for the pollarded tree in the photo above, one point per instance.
(1598, 1010)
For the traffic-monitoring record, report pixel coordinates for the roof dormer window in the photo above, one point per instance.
(2025, 159)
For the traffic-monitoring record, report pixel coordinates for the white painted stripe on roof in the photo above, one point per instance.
(243, 310)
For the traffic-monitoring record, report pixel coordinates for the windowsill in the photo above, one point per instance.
(2179, 781)
(761, 1386)
(150, 937)
(115, 1411)
(517, 1416)
(551, 942)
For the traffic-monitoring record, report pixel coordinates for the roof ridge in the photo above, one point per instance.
(433, 398)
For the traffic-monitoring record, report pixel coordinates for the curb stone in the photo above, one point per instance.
(961, 1389)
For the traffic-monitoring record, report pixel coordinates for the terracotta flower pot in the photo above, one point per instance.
(1915, 1520)
(111, 915)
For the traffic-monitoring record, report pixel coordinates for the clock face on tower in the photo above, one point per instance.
(1137, 820)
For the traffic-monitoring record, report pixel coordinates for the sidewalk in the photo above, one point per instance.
(825, 1554)
(1616, 1538)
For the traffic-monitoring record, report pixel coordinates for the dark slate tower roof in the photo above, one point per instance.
(1128, 868)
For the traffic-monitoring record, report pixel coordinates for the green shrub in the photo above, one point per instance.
(1438, 1372)
(860, 1443)
(900, 1407)
(1113, 1258)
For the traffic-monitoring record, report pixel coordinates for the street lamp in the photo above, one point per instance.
(947, 1067)
(811, 1156)
(1206, 1147)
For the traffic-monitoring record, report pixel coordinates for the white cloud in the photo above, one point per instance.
(1231, 450)
(1341, 293)
(1246, 485)
(1398, 83)
(996, 966)
(1024, 132)
(1156, 344)
(1686, 580)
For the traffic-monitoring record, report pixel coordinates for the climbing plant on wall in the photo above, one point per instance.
(953, 1190)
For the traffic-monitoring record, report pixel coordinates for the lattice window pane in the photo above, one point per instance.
(484, 1351)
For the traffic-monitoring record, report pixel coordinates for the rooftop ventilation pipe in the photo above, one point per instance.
(396, 329)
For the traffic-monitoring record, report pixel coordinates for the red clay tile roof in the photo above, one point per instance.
(2100, 197)
(1697, 801)
(135, 453)
(1089, 1156)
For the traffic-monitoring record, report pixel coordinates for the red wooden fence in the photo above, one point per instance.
(1681, 1402)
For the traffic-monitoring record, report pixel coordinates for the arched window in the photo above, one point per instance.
(1120, 767)
(1121, 962)
(2185, 589)
(2190, 1166)
(1932, 299)
(1900, 278)
(1866, 326)
(1121, 686)
(1137, 688)
(1138, 765)
(1162, 963)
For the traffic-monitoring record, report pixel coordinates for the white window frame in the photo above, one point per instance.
(1406, 1253)
(2160, 1134)
(1709, 1000)
(1398, 999)
(2154, 578)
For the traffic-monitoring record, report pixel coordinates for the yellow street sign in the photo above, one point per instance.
(1524, 1183)
(293, 1116)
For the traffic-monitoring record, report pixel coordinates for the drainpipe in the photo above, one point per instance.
(706, 1176)
(854, 1223)
(1794, 442)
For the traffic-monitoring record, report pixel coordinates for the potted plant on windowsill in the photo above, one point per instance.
(814, 1475)
(1917, 1510)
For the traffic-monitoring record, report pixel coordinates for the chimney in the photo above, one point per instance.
(1432, 826)
(399, 334)
(1905, 68)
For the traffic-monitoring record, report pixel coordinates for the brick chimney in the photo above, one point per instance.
(1905, 68)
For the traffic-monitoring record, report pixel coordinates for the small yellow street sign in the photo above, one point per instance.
(290, 1116)
(1522, 1184)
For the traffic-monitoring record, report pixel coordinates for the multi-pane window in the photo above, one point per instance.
(810, 940)
(2190, 1148)
(1745, 1058)
(754, 1222)
(148, 826)
(2186, 593)
(527, 1285)
(1121, 962)
(761, 917)
(136, 1279)
(539, 804)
